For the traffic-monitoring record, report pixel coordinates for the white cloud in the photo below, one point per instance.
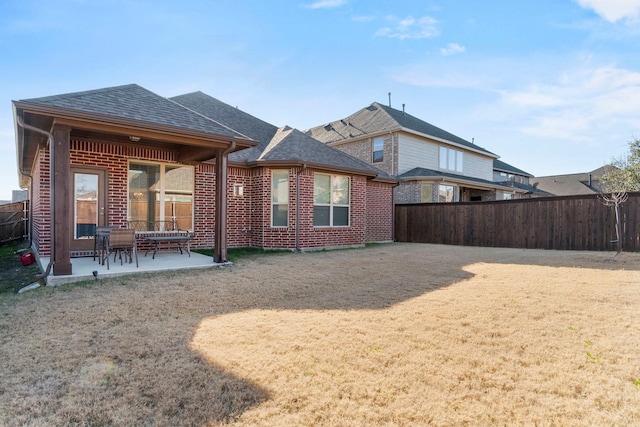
(614, 10)
(579, 104)
(326, 4)
(452, 49)
(410, 28)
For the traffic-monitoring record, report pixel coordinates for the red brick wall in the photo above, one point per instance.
(204, 205)
(249, 216)
(239, 208)
(379, 212)
(40, 217)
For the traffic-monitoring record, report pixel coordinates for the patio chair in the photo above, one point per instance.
(122, 241)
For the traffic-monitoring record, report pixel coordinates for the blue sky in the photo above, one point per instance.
(552, 86)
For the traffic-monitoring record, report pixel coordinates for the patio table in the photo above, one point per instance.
(183, 241)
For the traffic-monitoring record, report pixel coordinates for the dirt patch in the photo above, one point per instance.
(400, 334)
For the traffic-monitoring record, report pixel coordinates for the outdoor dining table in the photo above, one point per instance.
(182, 241)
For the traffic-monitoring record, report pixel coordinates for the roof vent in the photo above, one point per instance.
(328, 127)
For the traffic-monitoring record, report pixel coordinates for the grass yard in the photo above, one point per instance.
(13, 274)
(391, 335)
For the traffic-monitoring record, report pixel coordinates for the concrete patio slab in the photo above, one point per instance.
(87, 268)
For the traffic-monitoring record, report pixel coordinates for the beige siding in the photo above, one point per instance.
(478, 166)
(416, 153)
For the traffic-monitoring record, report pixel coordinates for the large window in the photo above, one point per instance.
(378, 149)
(279, 198)
(330, 201)
(161, 192)
(447, 193)
(451, 159)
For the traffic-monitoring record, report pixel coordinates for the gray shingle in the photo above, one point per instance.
(133, 102)
(571, 184)
(501, 166)
(378, 118)
(232, 117)
(292, 145)
(430, 173)
(276, 145)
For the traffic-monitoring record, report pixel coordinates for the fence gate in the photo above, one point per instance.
(14, 221)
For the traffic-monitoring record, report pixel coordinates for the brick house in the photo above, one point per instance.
(431, 164)
(109, 156)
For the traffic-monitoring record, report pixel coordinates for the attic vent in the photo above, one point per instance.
(372, 108)
(328, 127)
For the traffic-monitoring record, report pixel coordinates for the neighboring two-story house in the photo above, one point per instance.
(431, 164)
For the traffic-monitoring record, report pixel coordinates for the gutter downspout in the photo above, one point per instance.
(304, 166)
(51, 200)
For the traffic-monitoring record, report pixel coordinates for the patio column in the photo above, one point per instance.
(60, 199)
(220, 228)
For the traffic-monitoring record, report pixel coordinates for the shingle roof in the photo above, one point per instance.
(291, 145)
(430, 173)
(501, 166)
(232, 117)
(133, 102)
(276, 145)
(378, 118)
(571, 184)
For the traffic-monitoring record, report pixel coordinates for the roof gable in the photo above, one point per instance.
(292, 145)
(132, 102)
(378, 118)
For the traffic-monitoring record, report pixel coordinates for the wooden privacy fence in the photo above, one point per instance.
(562, 223)
(14, 219)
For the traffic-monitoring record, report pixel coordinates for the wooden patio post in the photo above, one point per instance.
(60, 198)
(220, 228)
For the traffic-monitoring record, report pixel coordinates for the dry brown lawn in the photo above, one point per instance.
(393, 335)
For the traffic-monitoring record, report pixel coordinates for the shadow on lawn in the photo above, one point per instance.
(147, 328)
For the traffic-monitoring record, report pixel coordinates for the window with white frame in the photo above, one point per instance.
(447, 193)
(330, 200)
(378, 149)
(451, 159)
(279, 198)
(160, 192)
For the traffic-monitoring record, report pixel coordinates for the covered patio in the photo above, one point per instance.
(82, 154)
(84, 267)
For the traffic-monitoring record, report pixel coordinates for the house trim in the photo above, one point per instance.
(413, 132)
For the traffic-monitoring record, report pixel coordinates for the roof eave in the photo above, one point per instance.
(63, 115)
(469, 183)
(313, 165)
(23, 176)
(413, 132)
(455, 144)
